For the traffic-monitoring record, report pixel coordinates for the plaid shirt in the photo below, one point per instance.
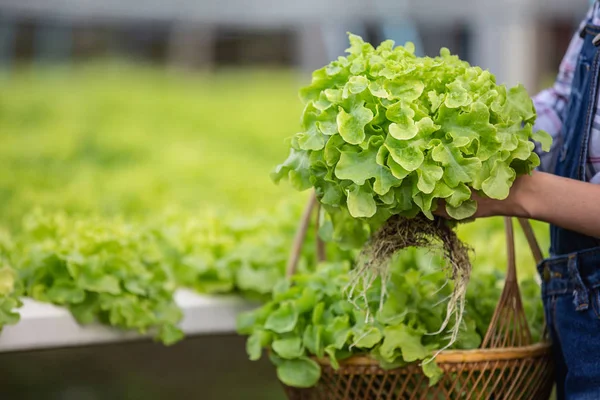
(551, 102)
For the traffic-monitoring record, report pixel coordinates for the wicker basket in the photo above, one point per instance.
(506, 366)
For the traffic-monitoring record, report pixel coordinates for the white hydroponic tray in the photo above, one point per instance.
(45, 326)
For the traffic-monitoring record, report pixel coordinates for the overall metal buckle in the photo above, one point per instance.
(595, 40)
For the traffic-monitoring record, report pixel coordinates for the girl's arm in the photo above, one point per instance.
(568, 203)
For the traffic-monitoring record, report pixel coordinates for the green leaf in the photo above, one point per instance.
(318, 312)
(384, 181)
(322, 103)
(378, 90)
(387, 365)
(351, 126)
(98, 283)
(260, 280)
(429, 174)
(85, 312)
(283, 319)
(405, 90)
(523, 150)
(509, 136)
(470, 126)
(327, 123)
(465, 210)
(388, 198)
(170, 334)
(311, 138)
(468, 336)
(338, 332)
(357, 84)
(519, 106)
(301, 373)
(288, 348)
(357, 167)
(425, 202)
(426, 127)
(403, 196)
(332, 152)
(543, 138)
(312, 339)
(307, 301)
(7, 280)
(435, 99)
(408, 154)
(457, 96)
(403, 338)
(8, 315)
(332, 355)
(360, 202)
(457, 168)
(460, 194)
(65, 292)
(396, 169)
(432, 371)
(245, 321)
(357, 45)
(404, 132)
(403, 126)
(366, 337)
(295, 168)
(394, 309)
(442, 191)
(358, 65)
(497, 186)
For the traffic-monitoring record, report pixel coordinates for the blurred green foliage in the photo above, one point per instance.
(115, 139)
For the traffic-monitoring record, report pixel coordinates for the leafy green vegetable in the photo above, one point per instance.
(311, 317)
(124, 274)
(101, 270)
(300, 372)
(10, 287)
(432, 371)
(385, 133)
(9, 300)
(224, 253)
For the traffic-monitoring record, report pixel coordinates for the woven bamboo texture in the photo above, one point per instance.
(508, 365)
(523, 373)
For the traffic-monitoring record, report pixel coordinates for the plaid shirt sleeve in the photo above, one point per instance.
(550, 103)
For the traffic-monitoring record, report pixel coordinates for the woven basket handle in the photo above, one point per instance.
(537, 256)
(300, 237)
(509, 327)
(531, 240)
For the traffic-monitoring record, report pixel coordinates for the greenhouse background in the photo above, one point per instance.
(518, 40)
(155, 112)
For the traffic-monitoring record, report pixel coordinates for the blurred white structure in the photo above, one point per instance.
(507, 36)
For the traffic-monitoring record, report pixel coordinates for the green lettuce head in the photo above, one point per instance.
(385, 132)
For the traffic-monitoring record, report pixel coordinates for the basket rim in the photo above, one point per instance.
(462, 356)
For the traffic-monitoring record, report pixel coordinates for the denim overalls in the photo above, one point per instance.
(571, 276)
